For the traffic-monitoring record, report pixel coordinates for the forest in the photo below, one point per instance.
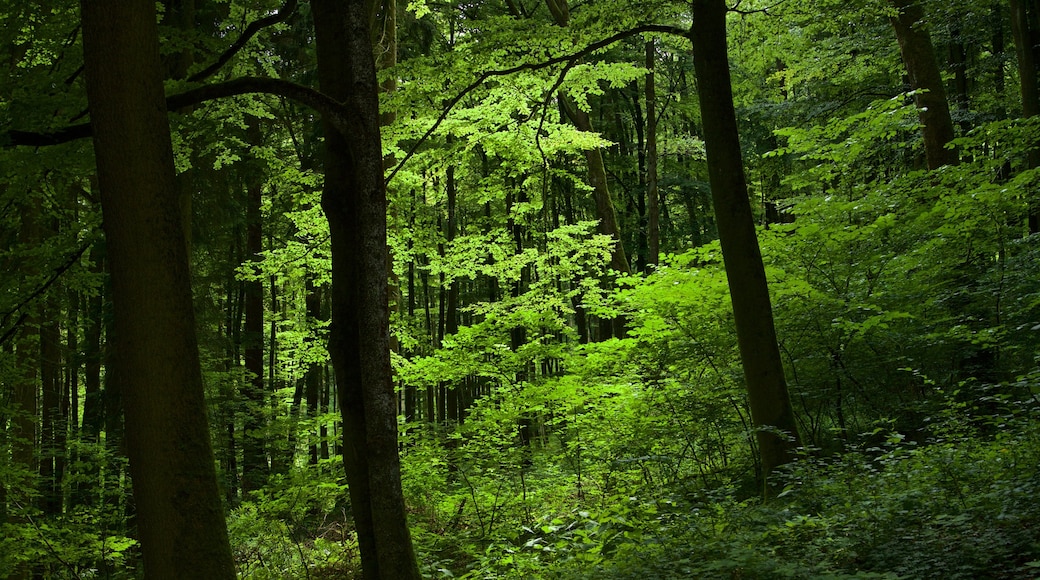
(519, 289)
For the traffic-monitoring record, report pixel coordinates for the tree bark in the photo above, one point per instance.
(52, 440)
(922, 67)
(254, 454)
(354, 200)
(1027, 38)
(180, 519)
(451, 306)
(605, 212)
(652, 193)
(771, 411)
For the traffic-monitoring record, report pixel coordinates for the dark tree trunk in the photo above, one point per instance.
(597, 172)
(771, 410)
(915, 45)
(52, 426)
(254, 455)
(1027, 40)
(652, 193)
(93, 411)
(354, 200)
(312, 380)
(25, 399)
(451, 321)
(180, 519)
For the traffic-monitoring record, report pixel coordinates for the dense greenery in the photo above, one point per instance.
(558, 418)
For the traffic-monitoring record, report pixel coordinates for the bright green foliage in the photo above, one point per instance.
(906, 302)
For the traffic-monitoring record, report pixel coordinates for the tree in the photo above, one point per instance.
(179, 514)
(922, 68)
(771, 411)
(354, 200)
(1024, 29)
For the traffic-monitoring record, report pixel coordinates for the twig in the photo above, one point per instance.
(282, 15)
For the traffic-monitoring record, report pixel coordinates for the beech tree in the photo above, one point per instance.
(771, 411)
(922, 68)
(180, 518)
(354, 200)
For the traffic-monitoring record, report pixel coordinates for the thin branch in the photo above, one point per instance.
(336, 112)
(569, 58)
(282, 15)
(736, 8)
(50, 281)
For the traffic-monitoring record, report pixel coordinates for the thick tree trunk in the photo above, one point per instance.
(180, 519)
(771, 410)
(354, 200)
(915, 45)
(180, 14)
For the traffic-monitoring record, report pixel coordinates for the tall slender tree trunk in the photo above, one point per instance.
(597, 173)
(652, 192)
(922, 67)
(451, 320)
(254, 454)
(52, 424)
(312, 379)
(180, 519)
(25, 399)
(354, 200)
(771, 410)
(1027, 39)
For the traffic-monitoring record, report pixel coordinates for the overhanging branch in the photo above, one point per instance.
(570, 59)
(282, 15)
(336, 112)
(328, 107)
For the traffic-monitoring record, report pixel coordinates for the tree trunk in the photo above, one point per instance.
(180, 519)
(915, 45)
(52, 426)
(605, 212)
(1027, 38)
(652, 193)
(354, 200)
(451, 307)
(254, 455)
(312, 379)
(771, 410)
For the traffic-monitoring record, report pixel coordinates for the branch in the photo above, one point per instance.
(332, 110)
(737, 10)
(569, 58)
(54, 278)
(282, 15)
(336, 112)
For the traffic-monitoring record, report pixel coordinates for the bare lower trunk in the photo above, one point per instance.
(180, 518)
(771, 411)
(915, 45)
(354, 201)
